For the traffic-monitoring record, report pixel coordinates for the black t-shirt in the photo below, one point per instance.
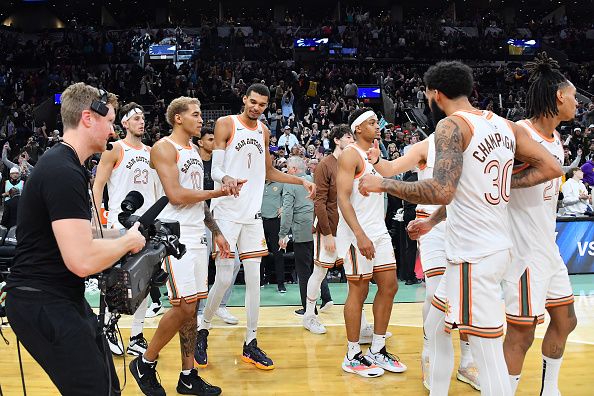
(57, 189)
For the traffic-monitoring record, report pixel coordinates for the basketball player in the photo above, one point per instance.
(543, 279)
(241, 155)
(472, 176)
(326, 213)
(125, 168)
(432, 247)
(181, 174)
(362, 240)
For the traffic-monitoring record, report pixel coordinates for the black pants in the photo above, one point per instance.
(271, 229)
(304, 267)
(155, 294)
(407, 271)
(62, 336)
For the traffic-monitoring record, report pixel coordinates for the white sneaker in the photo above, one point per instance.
(386, 360)
(326, 307)
(155, 309)
(113, 340)
(224, 314)
(366, 334)
(470, 376)
(311, 323)
(361, 365)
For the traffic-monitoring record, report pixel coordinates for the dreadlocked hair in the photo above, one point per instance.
(545, 79)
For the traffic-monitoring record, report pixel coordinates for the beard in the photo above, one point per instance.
(437, 114)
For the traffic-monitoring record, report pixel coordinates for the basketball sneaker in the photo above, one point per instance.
(200, 356)
(361, 365)
(325, 307)
(115, 344)
(137, 346)
(145, 375)
(254, 355)
(366, 334)
(469, 375)
(386, 360)
(192, 384)
(311, 323)
(224, 314)
(155, 309)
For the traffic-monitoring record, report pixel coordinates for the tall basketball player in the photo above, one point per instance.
(362, 240)
(126, 168)
(181, 175)
(472, 176)
(431, 245)
(241, 156)
(543, 279)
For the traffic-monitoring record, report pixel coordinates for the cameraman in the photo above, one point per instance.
(56, 250)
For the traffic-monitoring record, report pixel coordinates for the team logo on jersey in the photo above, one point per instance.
(448, 307)
(263, 242)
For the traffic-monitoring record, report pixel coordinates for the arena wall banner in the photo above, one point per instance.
(575, 238)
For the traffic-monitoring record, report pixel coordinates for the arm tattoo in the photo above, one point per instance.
(187, 337)
(439, 215)
(528, 177)
(209, 222)
(446, 174)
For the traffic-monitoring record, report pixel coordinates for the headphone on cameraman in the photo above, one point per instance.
(100, 106)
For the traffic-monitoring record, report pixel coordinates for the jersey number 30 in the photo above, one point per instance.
(500, 181)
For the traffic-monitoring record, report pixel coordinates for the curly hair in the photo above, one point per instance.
(453, 79)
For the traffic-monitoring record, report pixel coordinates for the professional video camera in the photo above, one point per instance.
(128, 282)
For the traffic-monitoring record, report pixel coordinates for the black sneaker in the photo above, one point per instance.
(282, 288)
(200, 356)
(145, 375)
(254, 355)
(300, 312)
(192, 384)
(137, 346)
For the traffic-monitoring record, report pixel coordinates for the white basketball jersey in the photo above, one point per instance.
(426, 172)
(191, 175)
(369, 210)
(533, 214)
(132, 172)
(478, 223)
(244, 159)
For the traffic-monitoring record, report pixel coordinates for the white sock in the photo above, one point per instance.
(353, 349)
(223, 279)
(364, 322)
(425, 352)
(490, 361)
(550, 373)
(465, 354)
(186, 372)
(313, 288)
(514, 381)
(138, 321)
(146, 361)
(378, 342)
(251, 273)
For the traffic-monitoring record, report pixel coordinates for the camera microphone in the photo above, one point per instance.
(133, 201)
(148, 218)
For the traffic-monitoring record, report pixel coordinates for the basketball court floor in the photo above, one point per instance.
(309, 364)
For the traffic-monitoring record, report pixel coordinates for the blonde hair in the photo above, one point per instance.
(178, 106)
(77, 98)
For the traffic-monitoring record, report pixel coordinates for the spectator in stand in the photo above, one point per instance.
(14, 181)
(287, 106)
(9, 216)
(350, 90)
(23, 165)
(287, 139)
(588, 170)
(575, 195)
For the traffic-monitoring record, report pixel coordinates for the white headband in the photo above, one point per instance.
(359, 120)
(132, 112)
